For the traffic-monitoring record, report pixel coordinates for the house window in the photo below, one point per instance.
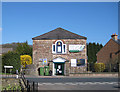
(59, 47)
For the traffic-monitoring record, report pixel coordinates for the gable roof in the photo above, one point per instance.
(116, 41)
(59, 33)
(5, 50)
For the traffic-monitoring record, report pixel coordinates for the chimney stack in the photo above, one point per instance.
(114, 36)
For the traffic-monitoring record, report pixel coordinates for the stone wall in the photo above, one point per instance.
(10, 82)
(43, 49)
(94, 75)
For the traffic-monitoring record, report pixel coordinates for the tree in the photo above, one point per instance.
(24, 49)
(92, 49)
(25, 60)
(11, 59)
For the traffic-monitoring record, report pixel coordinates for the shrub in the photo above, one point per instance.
(25, 60)
(99, 67)
(11, 59)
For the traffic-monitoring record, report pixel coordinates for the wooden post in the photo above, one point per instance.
(10, 71)
(5, 71)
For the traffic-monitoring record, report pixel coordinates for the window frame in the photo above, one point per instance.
(63, 50)
(59, 46)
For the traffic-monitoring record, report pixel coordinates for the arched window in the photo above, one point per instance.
(59, 47)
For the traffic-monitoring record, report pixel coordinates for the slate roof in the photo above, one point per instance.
(5, 50)
(59, 33)
(117, 41)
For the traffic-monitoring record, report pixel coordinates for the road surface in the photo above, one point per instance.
(76, 83)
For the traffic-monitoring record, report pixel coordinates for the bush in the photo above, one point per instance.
(99, 67)
(25, 60)
(11, 59)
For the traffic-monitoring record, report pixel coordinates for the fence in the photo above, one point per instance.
(9, 76)
(31, 86)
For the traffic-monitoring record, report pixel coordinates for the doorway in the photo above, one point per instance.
(59, 68)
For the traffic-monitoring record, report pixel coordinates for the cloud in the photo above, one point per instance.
(0, 29)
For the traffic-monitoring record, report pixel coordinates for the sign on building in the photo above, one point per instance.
(80, 62)
(77, 62)
(43, 61)
(73, 62)
(76, 48)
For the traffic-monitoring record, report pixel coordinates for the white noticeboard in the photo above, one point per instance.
(76, 47)
(8, 66)
(73, 62)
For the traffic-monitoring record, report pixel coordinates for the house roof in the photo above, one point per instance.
(59, 33)
(117, 41)
(5, 50)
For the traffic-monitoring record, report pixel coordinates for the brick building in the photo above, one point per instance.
(63, 51)
(110, 53)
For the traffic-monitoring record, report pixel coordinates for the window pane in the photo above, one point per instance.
(59, 48)
(53, 47)
(59, 44)
(64, 48)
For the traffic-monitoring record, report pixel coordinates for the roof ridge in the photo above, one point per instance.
(74, 33)
(44, 33)
(61, 29)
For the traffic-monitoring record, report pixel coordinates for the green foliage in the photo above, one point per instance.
(99, 67)
(11, 59)
(11, 88)
(24, 49)
(0, 63)
(92, 49)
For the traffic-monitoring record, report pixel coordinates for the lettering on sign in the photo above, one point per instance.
(76, 48)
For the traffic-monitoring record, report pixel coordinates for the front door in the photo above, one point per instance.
(59, 68)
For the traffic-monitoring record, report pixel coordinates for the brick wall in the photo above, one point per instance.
(104, 54)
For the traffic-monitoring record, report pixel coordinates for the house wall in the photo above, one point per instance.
(103, 55)
(43, 49)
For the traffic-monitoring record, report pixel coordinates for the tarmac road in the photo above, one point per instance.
(76, 83)
(63, 80)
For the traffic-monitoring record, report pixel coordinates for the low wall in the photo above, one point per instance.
(95, 75)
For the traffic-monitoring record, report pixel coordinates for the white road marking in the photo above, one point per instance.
(59, 84)
(78, 83)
